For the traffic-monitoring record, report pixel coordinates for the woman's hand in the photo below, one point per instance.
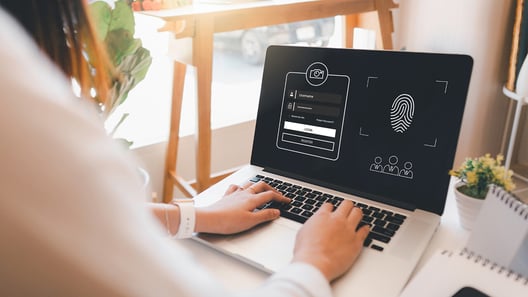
(235, 212)
(329, 240)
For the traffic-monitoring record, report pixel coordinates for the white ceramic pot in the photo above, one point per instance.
(468, 208)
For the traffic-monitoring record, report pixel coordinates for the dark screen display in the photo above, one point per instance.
(380, 124)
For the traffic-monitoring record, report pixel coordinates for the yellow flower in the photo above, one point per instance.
(471, 177)
(499, 173)
(478, 173)
(509, 185)
(487, 161)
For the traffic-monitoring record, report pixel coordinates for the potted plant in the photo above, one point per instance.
(115, 25)
(475, 176)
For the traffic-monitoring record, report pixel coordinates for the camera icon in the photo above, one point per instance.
(317, 74)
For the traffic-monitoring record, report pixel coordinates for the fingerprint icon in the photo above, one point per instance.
(402, 112)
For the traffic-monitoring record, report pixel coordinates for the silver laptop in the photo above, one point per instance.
(376, 127)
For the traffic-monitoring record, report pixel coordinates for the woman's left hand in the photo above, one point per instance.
(236, 211)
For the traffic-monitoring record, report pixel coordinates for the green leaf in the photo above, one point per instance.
(134, 69)
(102, 15)
(120, 43)
(116, 28)
(122, 17)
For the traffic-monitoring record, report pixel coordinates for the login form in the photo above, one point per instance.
(313, 112)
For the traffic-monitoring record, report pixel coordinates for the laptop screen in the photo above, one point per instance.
(380, 124)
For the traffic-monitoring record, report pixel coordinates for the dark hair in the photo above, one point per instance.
(64, 31)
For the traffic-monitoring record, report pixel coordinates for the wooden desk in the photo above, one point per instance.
(201, 21)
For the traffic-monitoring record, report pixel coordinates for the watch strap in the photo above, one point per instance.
(187, 217)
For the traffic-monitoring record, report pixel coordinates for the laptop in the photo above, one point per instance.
(376, 127)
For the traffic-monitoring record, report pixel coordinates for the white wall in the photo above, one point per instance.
(482, 29)
(231, 147)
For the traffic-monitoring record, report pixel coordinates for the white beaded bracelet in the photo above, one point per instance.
(187, 217)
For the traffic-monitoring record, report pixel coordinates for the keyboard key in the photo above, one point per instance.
(307, 207)
(393, 227)
(379, 237)
(310, 201)
(379, 222)
(291, 190)
(302, 192)
(383, 231)
(376, 247)
(307, 213)
(311, 195)
(367, 212)
(300, 198)
(296, 203)
(378, 215)
(394, 220)
(386, 212)
(321, 198)
(400, 216)
(367, 242)
(293, 216)
(290, 195)
(296, 210)
(255, 179)
(367, 219)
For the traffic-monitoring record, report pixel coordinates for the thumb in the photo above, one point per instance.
(363, 232)
(265, 215)
(231, 189)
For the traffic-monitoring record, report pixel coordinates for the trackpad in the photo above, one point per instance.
(270, 245)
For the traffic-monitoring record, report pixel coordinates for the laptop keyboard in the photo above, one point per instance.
(383, 223)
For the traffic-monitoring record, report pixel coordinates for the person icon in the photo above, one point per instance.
(406, 171)
(391, 168)
(376, 166)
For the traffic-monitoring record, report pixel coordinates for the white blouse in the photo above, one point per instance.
(72, 216)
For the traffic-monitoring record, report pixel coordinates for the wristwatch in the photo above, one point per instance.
(187, 217)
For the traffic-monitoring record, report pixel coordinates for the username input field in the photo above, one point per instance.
(319, 97)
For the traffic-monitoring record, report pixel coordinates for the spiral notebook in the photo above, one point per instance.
(500, 232)
(465, 274)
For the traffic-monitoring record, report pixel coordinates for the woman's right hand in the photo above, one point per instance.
(329, 240)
